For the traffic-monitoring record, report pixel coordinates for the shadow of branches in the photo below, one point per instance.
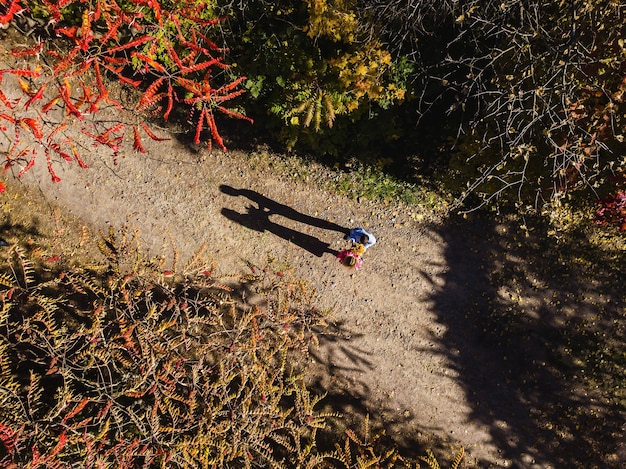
(540, 329)
(349, 398)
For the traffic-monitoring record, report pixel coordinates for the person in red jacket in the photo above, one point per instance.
(351, 257)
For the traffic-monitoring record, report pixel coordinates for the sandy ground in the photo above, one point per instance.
(384, 349)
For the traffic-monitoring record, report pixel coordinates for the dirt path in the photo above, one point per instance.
(448, 334)
(386, 350)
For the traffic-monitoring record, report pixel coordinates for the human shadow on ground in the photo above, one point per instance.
(535, 330)
(258, 219)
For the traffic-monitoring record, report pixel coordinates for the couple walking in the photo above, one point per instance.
(360, 240)
(262, 218)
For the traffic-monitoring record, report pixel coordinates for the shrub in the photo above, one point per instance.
(537, 90)
(163, 49)
(128, 364)
(310, 64)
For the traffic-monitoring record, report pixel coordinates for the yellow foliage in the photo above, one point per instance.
(357, 70)
(331, 19)
(314, 105)
(361, 72)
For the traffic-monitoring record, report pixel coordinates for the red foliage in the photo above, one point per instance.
(9, 9)
(7, 437)
(128, 55)
(80, 406)
(612, 211)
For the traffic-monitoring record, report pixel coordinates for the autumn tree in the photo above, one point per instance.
(309, 65)
(57, 87)
(536, 89)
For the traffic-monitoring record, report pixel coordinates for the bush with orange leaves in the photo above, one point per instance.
(161, 49)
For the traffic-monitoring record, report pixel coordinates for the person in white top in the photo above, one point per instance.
(360, 236)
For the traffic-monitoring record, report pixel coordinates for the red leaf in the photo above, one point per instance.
(232, 113)
(101, 87)
(66, 60)
(36, 49)
(59, 446)
(53, 175)
(200, 66)
(170, 100)
(3, 187)
(231, 86)
(46, 107)
(130, 44)
(7, 103)
(104, 137)
(77, 409)
(153, 63)
(137, 145)
(22, 72)
(82, 69)
(120, 61)
(69, 32)
(173, 55)
(112, 27)
(7, 117)
(24, 85)
(189, 85)
(151, 134)
(199, 124)
(216, 136)
(67, 99)
(29, 165)
(81, 163)
(14, 8)
(148, 97)
(105, 410)
(33, 125)
(52, 367)
(133, 83)
(156, 8)
(7, 436)
(229, 96)
(37, 96)
(57, 149)
(86, 98)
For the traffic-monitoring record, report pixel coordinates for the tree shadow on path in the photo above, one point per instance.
(535, 330)
(258, 219)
